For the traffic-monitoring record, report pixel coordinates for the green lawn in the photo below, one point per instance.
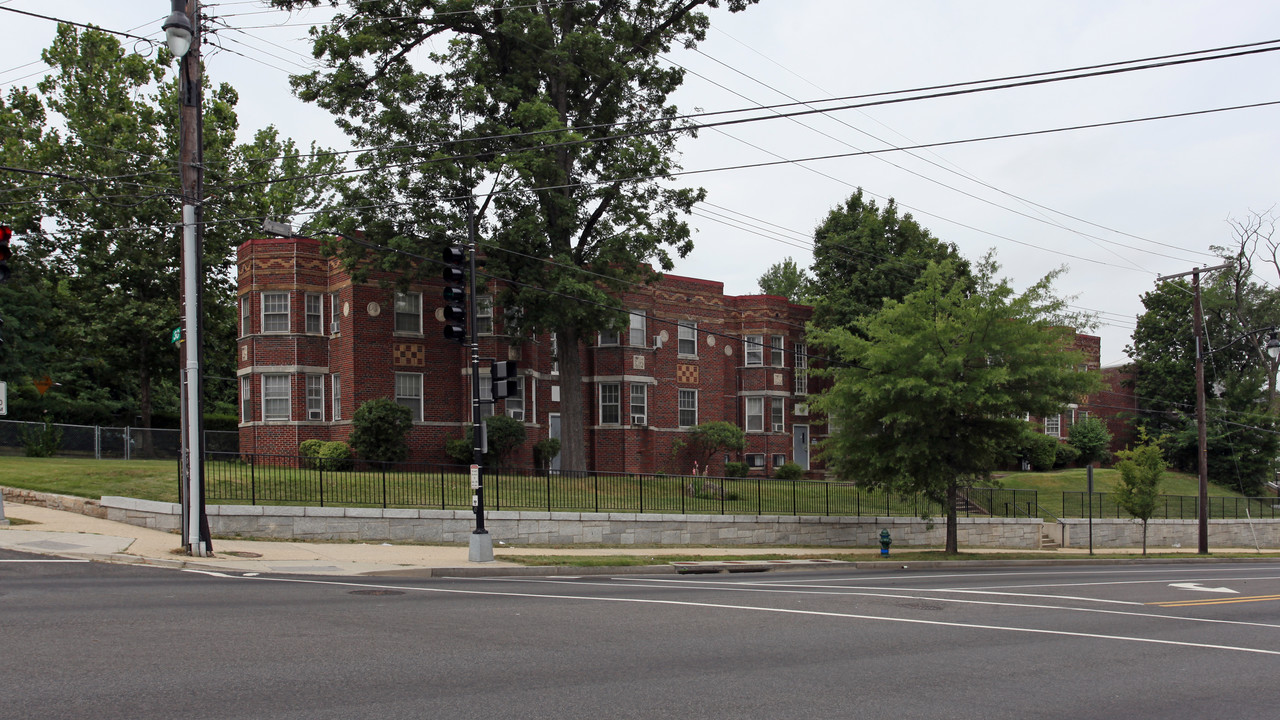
(142, 479)
(1104, 480)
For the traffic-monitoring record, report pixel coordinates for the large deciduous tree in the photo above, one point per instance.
(863, 255)
(930, 389)
(787, 280)
(555, 112)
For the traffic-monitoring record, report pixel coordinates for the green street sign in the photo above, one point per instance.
(175, 337)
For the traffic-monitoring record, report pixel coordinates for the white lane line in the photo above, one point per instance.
(1129, 582)
(44, 561)
(927, 575)
(751, 608)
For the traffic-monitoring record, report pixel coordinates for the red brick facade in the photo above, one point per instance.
(306, 328)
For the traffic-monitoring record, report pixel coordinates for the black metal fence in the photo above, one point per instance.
(288, 480)
(1172, 507)
(103, 442)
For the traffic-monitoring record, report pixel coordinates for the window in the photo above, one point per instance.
(1053, 425)
(802, 370)
(608, 337)
(753, 348)
(244, 316)
(335, 311)
(314, 313)
(639, 404)
(409, 393)
(486, 396)
(778, 414)
(754, 460)
(755, 414)
(638, 322)
(515, 403)
(484, 315)
(246, 398)
(315, 397)
(275, 397)
(275, 312)
(337, 398)
(779, 459)
(688, 338)
(409, 313)
(777, 351)
(688, 408)
(555, 355)
(609, 401)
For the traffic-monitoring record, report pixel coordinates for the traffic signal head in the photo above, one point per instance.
(6, 234)
(505, 383)
(455, 297)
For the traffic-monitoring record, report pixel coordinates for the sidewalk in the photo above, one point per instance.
(66, 534)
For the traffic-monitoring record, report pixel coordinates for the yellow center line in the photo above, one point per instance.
(1215, 601)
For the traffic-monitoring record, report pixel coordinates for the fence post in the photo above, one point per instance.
(127, 435)
(253, 481)
(320, 472)
(384, 488)
(595, 485)
(641, 494)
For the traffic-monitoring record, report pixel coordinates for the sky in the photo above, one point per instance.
(1117, 206)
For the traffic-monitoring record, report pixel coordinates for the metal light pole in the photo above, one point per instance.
(481, 545)
(183, 38)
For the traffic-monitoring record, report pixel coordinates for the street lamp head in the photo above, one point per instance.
(177, 31)
(1273, 345)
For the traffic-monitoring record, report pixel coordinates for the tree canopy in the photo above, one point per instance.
(554, 113)
(931, 389)
(788, 280)
(864, 255)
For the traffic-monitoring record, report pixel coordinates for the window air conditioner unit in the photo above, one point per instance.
(315, 415)
(333, 327)
(638, 420)
(777, 427)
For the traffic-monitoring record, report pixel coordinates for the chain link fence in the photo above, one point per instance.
(112, 443)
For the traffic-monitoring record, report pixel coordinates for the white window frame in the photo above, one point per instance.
(687, 338)
(408, 398)
(776, 457)
(754, 460)
(335, 310)
(408, 312)
(336, 413)
(246, 398)
(555, 354)
(245, 321)
(277, 390)
(639, 404)
(486, 395)
(271, 311)
(638, 326)
(610, 397)
(778, 414)
(753, 414)
(686, 402)
(1053, 425)
(753, 350)
(484, 314)
(777, 351)
(608, 337)
(310, 302)
(801, 370)
(315, 397)
(515, 403)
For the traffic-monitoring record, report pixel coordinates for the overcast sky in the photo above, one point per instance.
(1132, 201)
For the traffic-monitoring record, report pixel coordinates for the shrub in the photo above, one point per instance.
(1064, 455)
(334, 455)
(459, 449)
(544, 451)
(41, 441)
(789, 471)
(505, 435)
(707, 490)
(378, 430)
(310, 448)
(736, 469)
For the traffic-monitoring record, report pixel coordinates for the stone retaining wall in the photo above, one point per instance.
(1172, 533)
(53, 501)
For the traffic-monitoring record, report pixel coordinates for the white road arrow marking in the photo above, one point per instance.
(1197, 586)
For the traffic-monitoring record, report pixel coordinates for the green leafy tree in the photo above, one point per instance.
(787, 280)
(379, 430)
(712, 438)
(864, 255)
(556, 113)
(1241, 432)
(1091, 439)
(926, 393)
(505, 436)
(1141, 469)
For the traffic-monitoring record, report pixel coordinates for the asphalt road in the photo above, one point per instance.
(84, 640)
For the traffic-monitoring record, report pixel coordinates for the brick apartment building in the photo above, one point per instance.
(314, 346)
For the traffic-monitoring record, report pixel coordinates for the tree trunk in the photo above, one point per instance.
(953, 538)
(573, 449)
(1144, 538)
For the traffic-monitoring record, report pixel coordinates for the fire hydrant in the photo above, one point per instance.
(885, 542)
